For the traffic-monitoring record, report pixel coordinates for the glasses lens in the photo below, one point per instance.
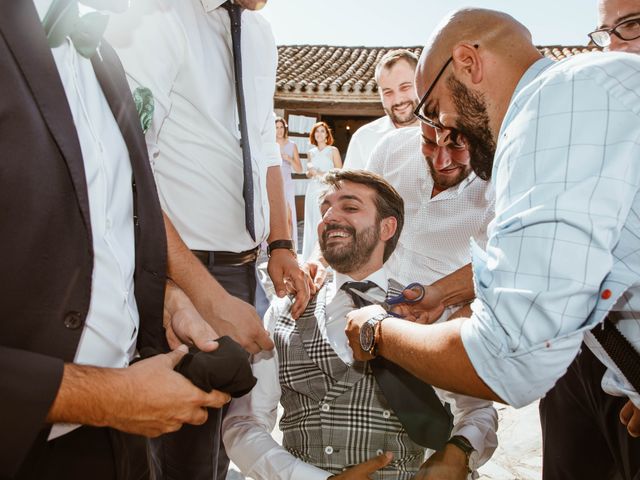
(629, 30)
(601, 38)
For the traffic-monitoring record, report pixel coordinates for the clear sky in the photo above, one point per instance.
(387, 23)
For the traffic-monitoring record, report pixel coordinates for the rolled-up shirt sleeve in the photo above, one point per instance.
(564, 189)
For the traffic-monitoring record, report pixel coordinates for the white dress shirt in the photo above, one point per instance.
(563, 248)
(436, 234)
(110, 331)
(364, 141)
(250, 419)
(182, 51)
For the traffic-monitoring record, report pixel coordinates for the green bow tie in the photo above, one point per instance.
(63, 20)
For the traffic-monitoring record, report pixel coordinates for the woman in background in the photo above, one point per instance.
(290, 163)
(322, 158)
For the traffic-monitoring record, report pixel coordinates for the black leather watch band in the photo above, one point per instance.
(276, 244)
(463, 444)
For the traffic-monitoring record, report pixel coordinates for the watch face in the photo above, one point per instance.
(367, 336)
(474, 460)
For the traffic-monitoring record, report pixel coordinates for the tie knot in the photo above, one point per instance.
(358, 302)
(234, 10)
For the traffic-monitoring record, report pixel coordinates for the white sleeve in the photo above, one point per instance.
(474, 419)
(250, 419)
(150, 41)
(354, 159)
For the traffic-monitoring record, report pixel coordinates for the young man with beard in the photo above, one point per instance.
(446, 204)
(394, 74)
(335, 413)
(561, 270)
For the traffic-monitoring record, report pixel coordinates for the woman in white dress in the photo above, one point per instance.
(320, 159)
(290, 163)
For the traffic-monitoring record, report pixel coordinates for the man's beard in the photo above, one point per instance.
(445, 182)
(404, 120)
(347, 257)
(473, 124)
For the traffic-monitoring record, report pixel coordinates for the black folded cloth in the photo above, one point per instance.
(226, 369)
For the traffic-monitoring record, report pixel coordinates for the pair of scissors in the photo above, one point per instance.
(390, 302)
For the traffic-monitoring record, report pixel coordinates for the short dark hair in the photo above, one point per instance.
(312, 134)
(390, 58)
(388, 201)
(284, 124)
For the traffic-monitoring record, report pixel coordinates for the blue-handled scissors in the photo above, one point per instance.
(389, 303)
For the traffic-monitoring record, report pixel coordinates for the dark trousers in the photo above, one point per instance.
(197, 452)
(87, 453)
(581, 431)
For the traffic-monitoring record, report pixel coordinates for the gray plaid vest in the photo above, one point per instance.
(335, 416)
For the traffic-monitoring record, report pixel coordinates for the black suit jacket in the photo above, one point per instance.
(46, 256)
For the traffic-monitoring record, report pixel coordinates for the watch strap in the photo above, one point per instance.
(276, 244)
(463, 444)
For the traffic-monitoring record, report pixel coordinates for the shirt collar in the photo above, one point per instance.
(210, 5)
(529, 76)
(378, 277)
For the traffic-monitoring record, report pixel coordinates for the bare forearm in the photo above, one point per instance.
(457, 287)
(278, 224)
(433, 353)
(84, 393)
(188, 273)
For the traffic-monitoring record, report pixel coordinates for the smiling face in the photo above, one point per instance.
(280, 131)
(320, 135)
(449, 164)
(612, 13)
(397, 93)
(351, 236)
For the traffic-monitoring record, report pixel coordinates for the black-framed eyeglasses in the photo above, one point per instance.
(454, 136)
(626, 30)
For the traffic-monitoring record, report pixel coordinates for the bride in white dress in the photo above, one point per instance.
(320, 159)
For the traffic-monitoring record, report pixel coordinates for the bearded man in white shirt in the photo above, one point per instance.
(395, 76)
(336, 413)
(446, 204)
(183, 52)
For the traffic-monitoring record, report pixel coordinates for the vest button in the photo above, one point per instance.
(328, 449)
(386, 414)
(73, 320)
(325, 407)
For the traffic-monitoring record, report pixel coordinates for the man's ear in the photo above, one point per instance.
(388, 227)
(467, 62)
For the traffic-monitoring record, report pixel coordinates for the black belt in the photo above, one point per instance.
(227, 258)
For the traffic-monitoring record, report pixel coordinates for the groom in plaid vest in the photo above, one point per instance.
(337, 422)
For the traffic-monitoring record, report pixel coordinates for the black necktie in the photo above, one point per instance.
(63, 20)
(235, 11)
(358, 302)
(418, 407)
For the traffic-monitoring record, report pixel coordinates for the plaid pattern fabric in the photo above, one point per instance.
(335, 415)
(564, 248)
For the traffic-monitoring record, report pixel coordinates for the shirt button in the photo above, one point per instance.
(73, 320)
(328, 449)
(379, 451)
(325, 407)
(606, 294)
(386, 414)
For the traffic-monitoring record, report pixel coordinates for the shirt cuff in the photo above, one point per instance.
(309, 472)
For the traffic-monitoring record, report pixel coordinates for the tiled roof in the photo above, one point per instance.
(322, 72)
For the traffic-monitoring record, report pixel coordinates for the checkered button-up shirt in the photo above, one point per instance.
(564, 248)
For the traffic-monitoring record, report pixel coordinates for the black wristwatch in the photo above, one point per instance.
(465, 445)
(369, 333)
(276, 244)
